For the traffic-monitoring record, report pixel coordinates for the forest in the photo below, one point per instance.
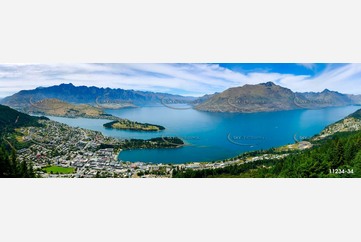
(9, 120)
(11, 168)
(338, 156)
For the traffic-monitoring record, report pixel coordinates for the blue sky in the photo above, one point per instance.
(185, 79)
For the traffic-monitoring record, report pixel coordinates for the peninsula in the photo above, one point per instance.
(59, 108)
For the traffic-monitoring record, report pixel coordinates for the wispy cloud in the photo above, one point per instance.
(309, 66)
(184, 79)
(343, 78)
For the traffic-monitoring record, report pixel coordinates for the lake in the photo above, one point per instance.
(214, 136)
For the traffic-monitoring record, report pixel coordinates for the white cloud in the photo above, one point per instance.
(309, 66)
(344, 79)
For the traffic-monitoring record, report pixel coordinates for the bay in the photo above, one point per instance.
(214, 136)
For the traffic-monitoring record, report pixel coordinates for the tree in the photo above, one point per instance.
(13, 172)
(4, 163)
(31, 170)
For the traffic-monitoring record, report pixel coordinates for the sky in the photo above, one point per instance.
(184, 79)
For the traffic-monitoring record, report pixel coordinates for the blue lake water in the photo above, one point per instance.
(214, 136)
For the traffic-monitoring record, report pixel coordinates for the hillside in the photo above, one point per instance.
(351, 123)
(55, 107)
(11, 119)
(268, 96)
(356, 115)
(89, 95)
(337, 157)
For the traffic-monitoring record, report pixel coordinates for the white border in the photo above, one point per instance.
(161, 31)
(180, 210)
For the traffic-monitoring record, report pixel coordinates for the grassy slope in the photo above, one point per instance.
(55, 107)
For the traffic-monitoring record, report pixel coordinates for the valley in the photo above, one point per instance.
(219, 135)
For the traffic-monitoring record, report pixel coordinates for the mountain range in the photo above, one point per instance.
(268, 96)
(90, 95)
(262, 97)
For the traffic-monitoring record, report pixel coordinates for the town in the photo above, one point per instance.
(58, 150)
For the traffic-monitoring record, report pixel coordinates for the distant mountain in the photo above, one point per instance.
(326, 98)
(90, 95)
(356, 99)
(203, 99)
(268, 96)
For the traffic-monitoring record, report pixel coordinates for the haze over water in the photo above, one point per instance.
(214, 136)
